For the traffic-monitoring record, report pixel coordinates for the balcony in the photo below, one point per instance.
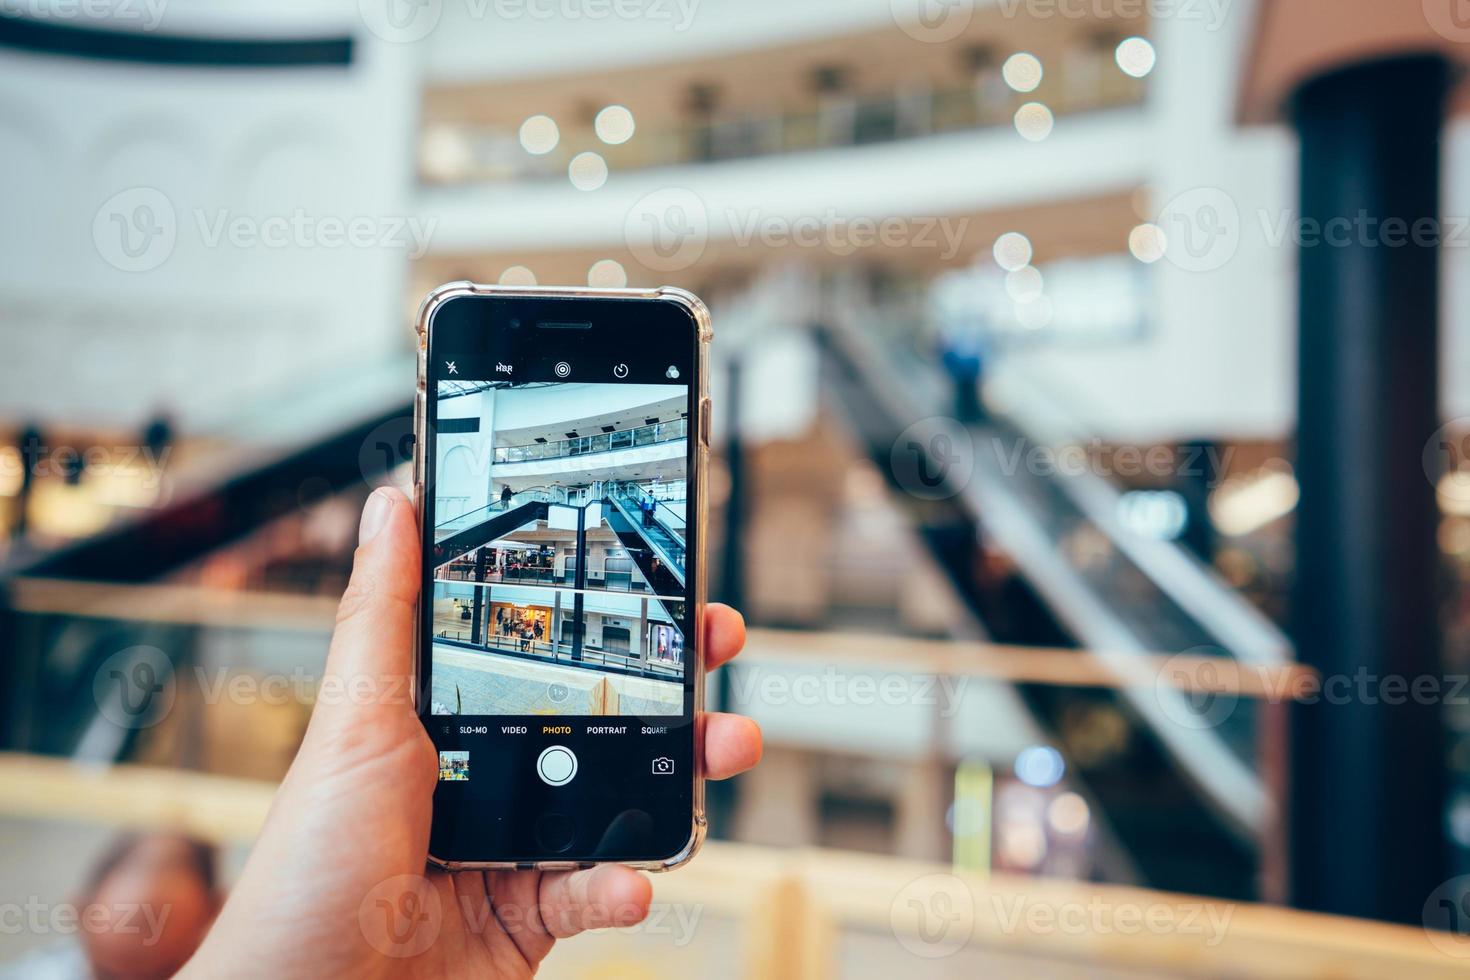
(603, 442)
(466, 153)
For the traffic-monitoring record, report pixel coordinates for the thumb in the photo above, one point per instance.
(371, 657)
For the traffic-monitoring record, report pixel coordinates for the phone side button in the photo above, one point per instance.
(555, 832)
(705, 407)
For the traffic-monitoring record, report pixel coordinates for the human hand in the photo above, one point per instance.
(349, 827)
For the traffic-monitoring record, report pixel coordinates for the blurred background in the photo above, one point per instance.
(1091, 405)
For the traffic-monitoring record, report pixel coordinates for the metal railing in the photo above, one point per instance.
(450, 525)
(602, 442)
(559, 653)
(830, 122)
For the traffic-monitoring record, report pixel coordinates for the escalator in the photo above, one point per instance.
(660, 564)
(463, 534)
(67, 616)
(661, 532)
(1083, 580)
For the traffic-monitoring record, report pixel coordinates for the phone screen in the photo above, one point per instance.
(558, 662)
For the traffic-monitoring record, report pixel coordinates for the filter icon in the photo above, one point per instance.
(671, 373)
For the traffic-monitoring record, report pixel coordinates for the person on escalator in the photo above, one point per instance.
(505, 495)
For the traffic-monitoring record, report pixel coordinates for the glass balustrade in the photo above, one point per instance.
(602, 442)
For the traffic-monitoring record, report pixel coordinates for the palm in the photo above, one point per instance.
(338, 871)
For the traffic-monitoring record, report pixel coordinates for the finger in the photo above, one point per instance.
(732, 744)
(514, 895)
(607, 895)
(724, 634)
(372, 646)
(469, 893)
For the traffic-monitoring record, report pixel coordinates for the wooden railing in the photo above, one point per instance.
(742, 911)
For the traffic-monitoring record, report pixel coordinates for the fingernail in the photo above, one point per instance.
(374, 516)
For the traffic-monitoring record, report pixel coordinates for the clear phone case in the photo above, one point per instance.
(700, 313)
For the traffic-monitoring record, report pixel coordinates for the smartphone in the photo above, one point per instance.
(562, 438)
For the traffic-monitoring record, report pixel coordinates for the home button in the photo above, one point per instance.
(556, 765)
(555, 832)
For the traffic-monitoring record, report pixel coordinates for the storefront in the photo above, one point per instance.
(512, 624)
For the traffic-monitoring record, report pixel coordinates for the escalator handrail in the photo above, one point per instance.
(1237, 625)
(676, 568)
(1195, 588)
(638, 493)
(1235, 790)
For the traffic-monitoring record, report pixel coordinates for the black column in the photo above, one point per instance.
(1368, 777)
(579, 582)
(477, 604)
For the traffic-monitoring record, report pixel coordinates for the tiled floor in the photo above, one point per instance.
(475, 683)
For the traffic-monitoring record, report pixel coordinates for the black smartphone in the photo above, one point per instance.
(562, 441)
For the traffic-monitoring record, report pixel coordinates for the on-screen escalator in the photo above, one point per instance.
(655, 524)
(464, 533)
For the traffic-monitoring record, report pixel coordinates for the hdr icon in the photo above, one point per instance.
(502, 368)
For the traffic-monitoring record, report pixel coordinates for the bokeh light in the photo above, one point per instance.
(1147, 242)
(1135, 56)
(588, 171)
(1024, 284)
(518, 275)
(1034, 121)
(1022, 71)
(607, 272)
(1039, 766)
(1012, 250)
(539, 135)
(614, 125)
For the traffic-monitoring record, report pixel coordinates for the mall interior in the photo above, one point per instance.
(1091, 451)
(528, 478)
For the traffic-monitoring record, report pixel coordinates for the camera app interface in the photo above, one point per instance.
(559, 547)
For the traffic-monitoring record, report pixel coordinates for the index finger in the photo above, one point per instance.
(724, 634)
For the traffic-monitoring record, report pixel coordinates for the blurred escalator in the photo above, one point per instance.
(131, 604)
(1191, 774)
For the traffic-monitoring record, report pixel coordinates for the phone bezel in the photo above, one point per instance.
(699, 411)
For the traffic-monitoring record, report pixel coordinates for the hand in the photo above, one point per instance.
(349, 827)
